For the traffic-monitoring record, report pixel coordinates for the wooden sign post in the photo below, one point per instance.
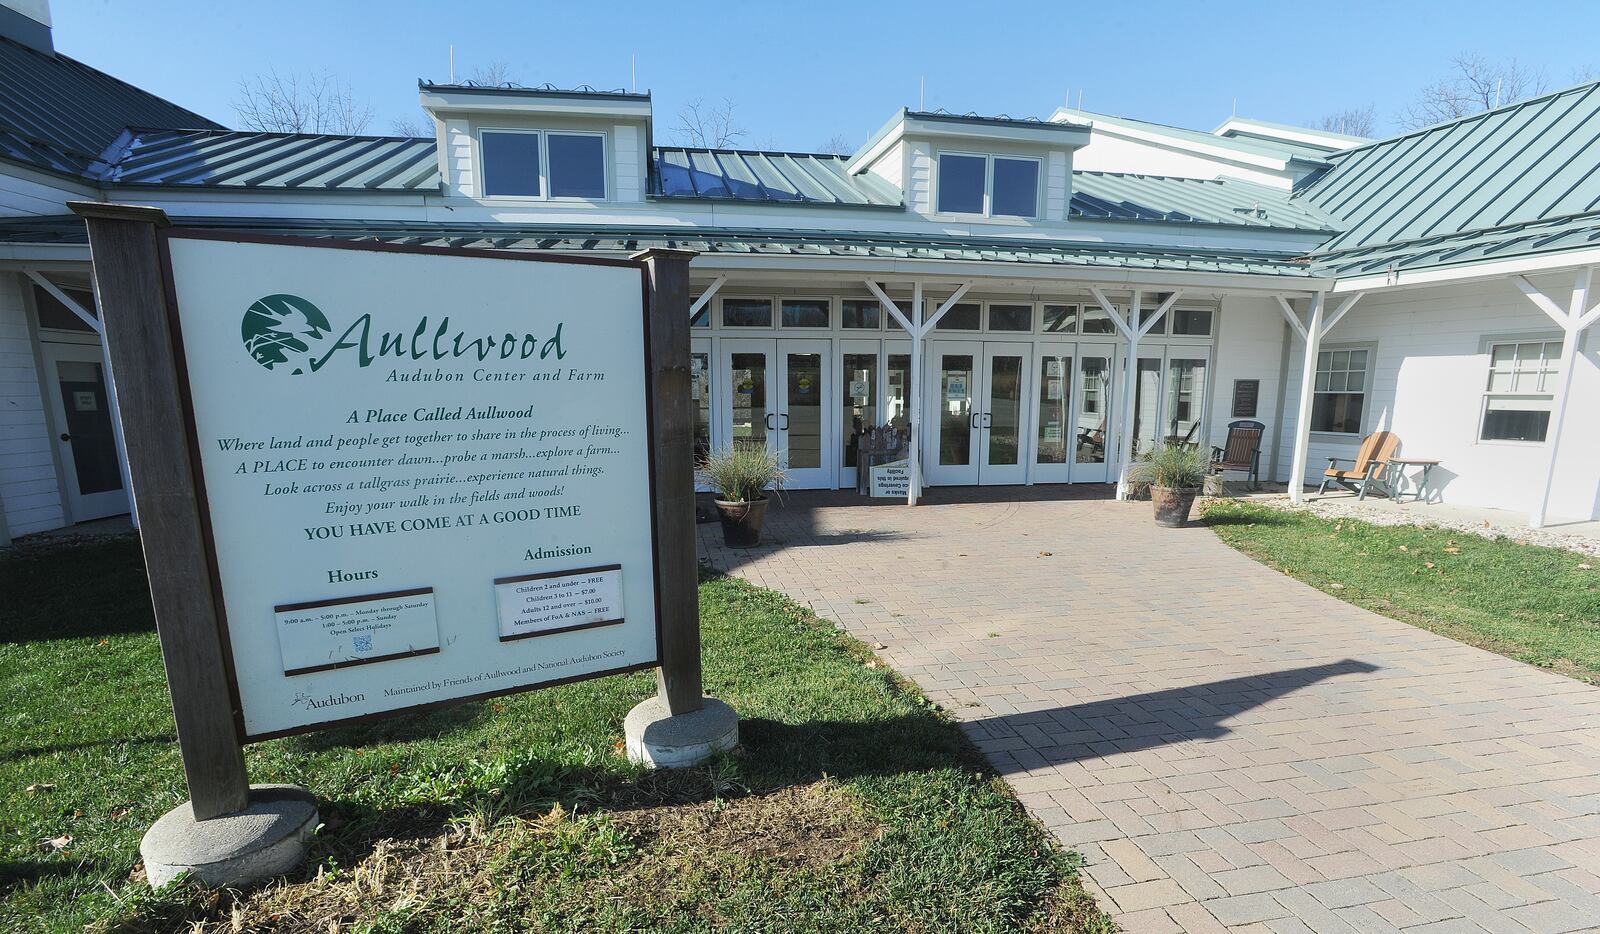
(376, 479)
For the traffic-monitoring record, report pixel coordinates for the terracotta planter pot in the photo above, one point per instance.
(1172, 505)
(741, 522)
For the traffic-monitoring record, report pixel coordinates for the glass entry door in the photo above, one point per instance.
(84, 434)
(1053, 420)
(977, 409)
(776, 393)
(1092, 426)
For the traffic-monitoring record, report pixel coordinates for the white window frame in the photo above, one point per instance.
(544, 165)
(988, 184)
(1551, 370)
(1366, 388)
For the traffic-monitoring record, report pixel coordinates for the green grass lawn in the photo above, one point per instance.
(852, 805)
(1533, 604)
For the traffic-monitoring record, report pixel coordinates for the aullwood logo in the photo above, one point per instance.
(281, 330)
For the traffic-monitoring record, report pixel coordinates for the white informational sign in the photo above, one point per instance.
(955, 386)
(328, 634)
(83, 401)
(373, 425)
(545, 604)
(858, 389)
(892, 479)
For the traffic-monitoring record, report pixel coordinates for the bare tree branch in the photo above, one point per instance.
(275, 103)
(420, 127)
(1475, 85)
(1352, 121)
(708, 126)
(493, 75)
(838, 145)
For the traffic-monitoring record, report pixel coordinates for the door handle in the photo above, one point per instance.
(988, 421)
(785, 425)
(770, 425)
(65, 436)
(972, 421)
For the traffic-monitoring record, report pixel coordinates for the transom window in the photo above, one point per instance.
(542, 164)
(1340, 393)
(1520, 391)
(992, 186)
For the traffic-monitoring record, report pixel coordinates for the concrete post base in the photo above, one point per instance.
(662, 741)
(266, 839)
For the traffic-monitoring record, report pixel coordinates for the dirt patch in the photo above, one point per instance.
(807, 825)
(558, 861)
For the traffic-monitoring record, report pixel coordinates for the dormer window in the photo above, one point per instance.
(988, 186)
(543, 164)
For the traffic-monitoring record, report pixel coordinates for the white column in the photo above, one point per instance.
(1130, 388)
(1308, 380)
(914, 464)
(1572, 333)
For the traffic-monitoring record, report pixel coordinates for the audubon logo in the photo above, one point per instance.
(286, 331)
(282, 330)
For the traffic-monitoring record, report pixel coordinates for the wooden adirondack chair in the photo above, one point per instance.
(1369, 469)
(1242, 451)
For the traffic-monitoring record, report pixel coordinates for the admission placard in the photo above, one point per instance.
(385, 437)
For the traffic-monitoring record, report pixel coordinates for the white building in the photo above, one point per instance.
(1020, 276)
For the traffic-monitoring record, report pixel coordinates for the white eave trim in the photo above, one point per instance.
(1470, 272)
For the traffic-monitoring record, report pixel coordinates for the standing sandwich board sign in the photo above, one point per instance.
(380, 479)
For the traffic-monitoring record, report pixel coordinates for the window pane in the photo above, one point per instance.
(1160, 327)
(858, 314)
(1061, 319)
(1358, 361)
(963, 317)
(1191, 321)
(577, 166)
(1096, 321)
(510, 164)
(1514, 420)
(1089, 439)
(860, 401)
(1016, 188)
(955, 410)
(961, 184)
(748, 372)
(1055, 408)
(898, 379)
(747, 312)
(799, 313)
(700, 390)
(1010, 317)
(1186, 390)
(1338, 412)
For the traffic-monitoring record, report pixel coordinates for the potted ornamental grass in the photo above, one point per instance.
(740, 476)
(1176, 473)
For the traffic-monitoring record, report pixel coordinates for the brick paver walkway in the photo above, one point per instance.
(1229, 749)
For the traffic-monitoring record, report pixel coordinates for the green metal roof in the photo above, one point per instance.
(741, 241)
(1123, 196)
(1531, 238)
(749, 175)
(271, 161)
(59, 114)
(1519, 164)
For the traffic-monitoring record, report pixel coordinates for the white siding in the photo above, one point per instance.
(1110, 153)
(31, 196)
(919, 183)
(1057, 186)
(1249, 346)
(891, 166)
(458, 161)
(629, 164)
(29, 492)
(1427, 387)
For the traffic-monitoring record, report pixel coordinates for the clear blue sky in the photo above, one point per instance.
(803, 71)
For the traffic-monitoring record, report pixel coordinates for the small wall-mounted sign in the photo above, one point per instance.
(1246, 395)
(891, 480)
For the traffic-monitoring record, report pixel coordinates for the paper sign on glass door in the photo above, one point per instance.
(559, 601)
